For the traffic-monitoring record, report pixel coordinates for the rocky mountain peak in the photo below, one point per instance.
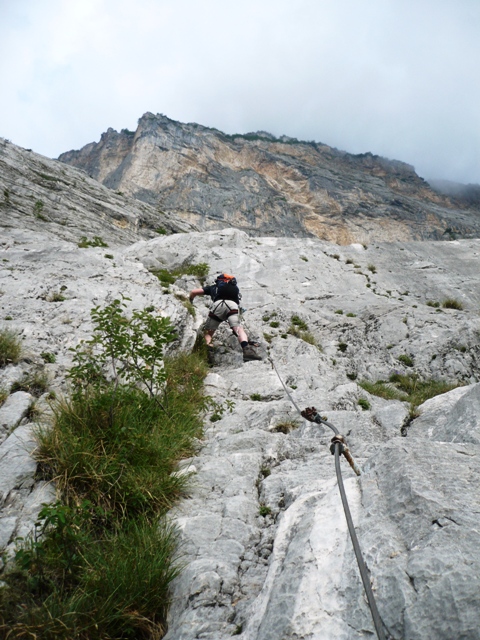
(272, 186)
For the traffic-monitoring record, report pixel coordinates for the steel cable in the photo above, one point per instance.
(338, 449)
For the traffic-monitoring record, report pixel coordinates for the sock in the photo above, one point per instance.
(244, 344)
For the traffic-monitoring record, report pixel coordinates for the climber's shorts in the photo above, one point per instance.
(220, 311)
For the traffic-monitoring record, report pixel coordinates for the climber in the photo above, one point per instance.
(226, 300)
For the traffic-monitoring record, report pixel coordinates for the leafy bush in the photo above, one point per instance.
(10, 347)
(100, 564)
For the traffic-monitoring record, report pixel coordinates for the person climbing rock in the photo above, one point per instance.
(225, 295)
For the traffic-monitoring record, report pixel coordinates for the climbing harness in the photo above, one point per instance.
(338, 447)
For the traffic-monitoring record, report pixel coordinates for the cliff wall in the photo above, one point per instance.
(271, 186)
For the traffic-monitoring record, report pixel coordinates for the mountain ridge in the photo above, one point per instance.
(272, 186)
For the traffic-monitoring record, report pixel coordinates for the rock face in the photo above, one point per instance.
(264, 542)
(272, 186)
(40, 194)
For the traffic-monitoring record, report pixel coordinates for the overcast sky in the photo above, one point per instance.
(399, 78)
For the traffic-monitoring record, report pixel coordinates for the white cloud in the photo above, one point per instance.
(395, 77)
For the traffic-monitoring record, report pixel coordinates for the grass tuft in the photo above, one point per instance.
(406, 360)
(452, 303)
(10, 347)
(34, 383)
(408, 388)
(364, 403)
(3, 396)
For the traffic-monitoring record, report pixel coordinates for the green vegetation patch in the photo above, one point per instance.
(168, 276)
(35, 383)
(96, 242)
(3, 396)
(408, 388)
(406, 360)
(364, 403)
(101, 561)
(10, 347)
(452, 303)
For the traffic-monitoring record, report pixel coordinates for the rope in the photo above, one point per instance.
(337, 448)
(377, 621)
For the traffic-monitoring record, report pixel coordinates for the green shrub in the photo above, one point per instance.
(256, 397)
(267, 316)
(339, 311)
(351, 315)
(372, 268)
(10, 347)
(342, 346)
(105, 557)
(169, 276)
(161, 230)
(96, 242)
(264, 510)
(432, 303)
(452, 303)
(406, 360)
(274, 324)
(296, 321)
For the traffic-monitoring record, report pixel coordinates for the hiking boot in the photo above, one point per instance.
(249, 353)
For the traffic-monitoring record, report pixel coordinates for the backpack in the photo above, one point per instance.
(227, 288)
